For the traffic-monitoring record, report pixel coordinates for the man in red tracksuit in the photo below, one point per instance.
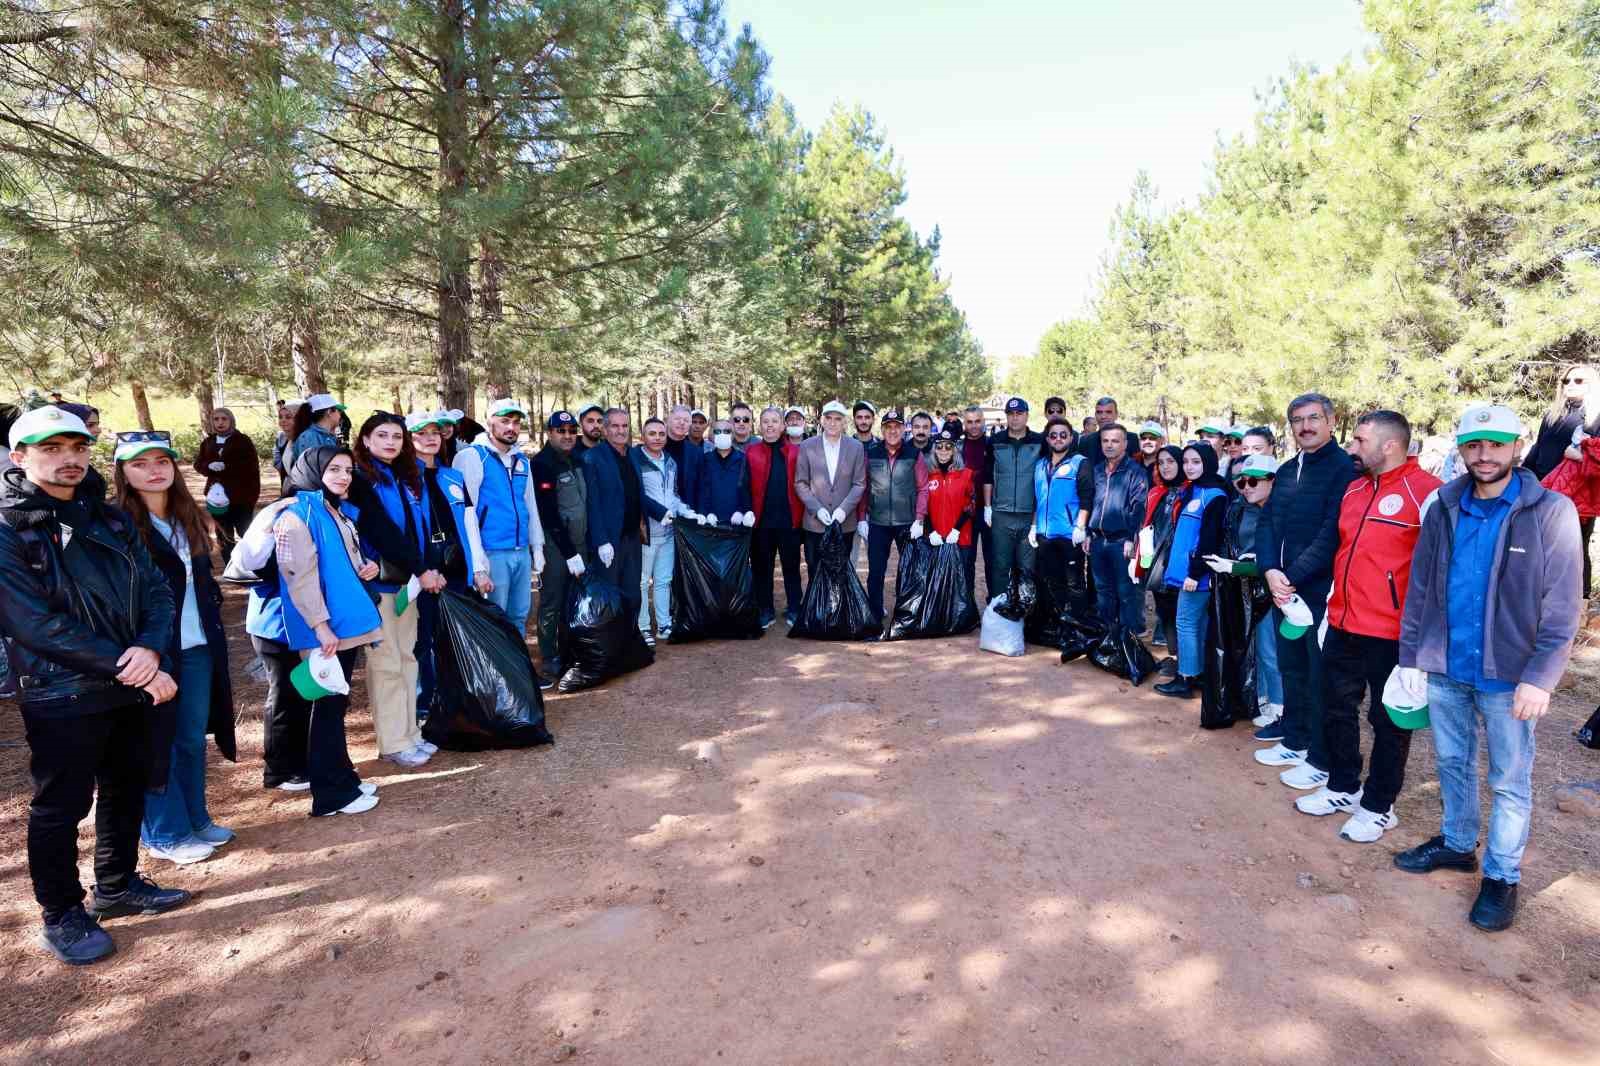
(778, 513)
(1379, 522)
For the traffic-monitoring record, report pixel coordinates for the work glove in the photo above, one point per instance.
(1218, 564)
(824, 516)
(1079, 535)
(666, 519)
(952, 537)
(711, 519)
(861, 529)
(916, 530)
(1033, 537)
(216, 468)
(701, 519)
(838, 514)
(606, 553)
(935, 539)
(575, 566)
(988, 516)
(1133, 571)
(749, 519)
(538, 560)
(1406, 688)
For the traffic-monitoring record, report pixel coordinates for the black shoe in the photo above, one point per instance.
(1179, 687)
(766, 619)
(77, 939)
(1495, 907)
(790, 618)
(140, 897)
(546, 684)
(1433, 855)
(1168, 668)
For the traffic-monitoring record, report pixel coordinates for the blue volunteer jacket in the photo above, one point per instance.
(1055, 494)
(350, 610)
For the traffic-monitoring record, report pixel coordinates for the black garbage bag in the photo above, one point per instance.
(1227, 686)
(1122, 653)
(487, 695)
(1063, 614)
(1020, 595)
(603, 639)
(1589, 734)
(835, 604)
(931, 594)
(711, 591)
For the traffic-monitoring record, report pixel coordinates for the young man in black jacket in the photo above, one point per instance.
(561, 495)
(86, 617)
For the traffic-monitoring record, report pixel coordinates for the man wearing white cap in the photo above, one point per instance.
(1496, 595)
(698, 423)
(87, 631)
(830, 477)
(794, 423)
(499, 481)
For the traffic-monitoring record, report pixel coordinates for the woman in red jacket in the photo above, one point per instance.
(946, 502)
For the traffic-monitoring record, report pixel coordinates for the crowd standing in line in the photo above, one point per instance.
(1446, 599)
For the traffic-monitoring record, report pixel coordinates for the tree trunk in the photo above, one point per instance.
(394, 390)
(203, 395)
(141, 406)
(305, 349)
(455, 247)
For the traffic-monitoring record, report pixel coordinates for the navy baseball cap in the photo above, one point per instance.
(560, 418)
(947, 436)
(892, 415)
(1016, 403)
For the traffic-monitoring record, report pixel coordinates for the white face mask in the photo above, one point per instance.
(722, 441)
(794, 431)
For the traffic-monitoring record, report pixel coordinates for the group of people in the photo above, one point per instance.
(1383, 584)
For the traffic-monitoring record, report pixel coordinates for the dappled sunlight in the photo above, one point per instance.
(658, 785)
(1291, 1041)
(1123, 925)
(995, 735)
(1186, 984)
(981, 970)
(843, 970)
(918, 912)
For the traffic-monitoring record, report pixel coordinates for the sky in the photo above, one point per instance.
(1022, 123)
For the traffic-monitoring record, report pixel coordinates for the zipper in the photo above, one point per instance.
(1354, 541)
(1394, 594)
(511, 487)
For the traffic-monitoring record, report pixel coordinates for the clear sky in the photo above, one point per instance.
(1021, 123)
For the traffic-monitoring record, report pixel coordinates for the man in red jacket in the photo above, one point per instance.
(1380, 519)
(778, 513)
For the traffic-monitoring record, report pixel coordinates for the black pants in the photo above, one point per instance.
(231, 525)
(980, 543)
(1586, 531)
(766, 546)
(1166, 603)
(879, 537)
(70, 759)
(334, 781)
(1300, 663)
(1354, 666)
(286, 724)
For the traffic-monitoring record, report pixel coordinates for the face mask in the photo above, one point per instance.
(794, 431)
(723, 441)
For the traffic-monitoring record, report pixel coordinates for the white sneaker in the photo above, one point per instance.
(1363, 827)
(184, 852)
(411, 758)
(1326, 801)
(360, 805)
(1278, 755)
(1270, 712)
(1304, 776)
(368, 788)
(427, 748)
(294, 784)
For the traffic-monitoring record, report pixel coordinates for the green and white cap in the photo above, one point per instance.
(42, 423)
(1258, 466)
(407, 595)
(419, 419)
(1489, 421)
(1403, 709)
(1213, 425)
(834, 407)
(323, 402)
(1152, 429)
(217, 499)
(137, 442)
(1235, 431)
(1297, 618)
(319, 676)
(506, 406)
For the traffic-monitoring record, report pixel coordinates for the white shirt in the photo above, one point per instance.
(830, 451)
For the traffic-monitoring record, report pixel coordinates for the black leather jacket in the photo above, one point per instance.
(69, 611)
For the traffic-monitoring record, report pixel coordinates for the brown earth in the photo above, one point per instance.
(909, 852)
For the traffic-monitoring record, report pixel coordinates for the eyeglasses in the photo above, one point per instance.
(739, 420)
(1250, 482)
(144, 436)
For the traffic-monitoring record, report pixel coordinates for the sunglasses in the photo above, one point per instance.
(144, 436)
(385, 417)
(1058, 435)
(1574, 381)
(738, 420)
(1250, 482)
(565, 430)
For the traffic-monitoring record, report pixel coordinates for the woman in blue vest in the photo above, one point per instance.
(325, 606)
(396, 531)
(454, 547)
(1198, 532)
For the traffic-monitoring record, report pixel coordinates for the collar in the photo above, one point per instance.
(1481, 508)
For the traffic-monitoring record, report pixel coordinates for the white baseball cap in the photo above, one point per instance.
(456, 414)
(139, 441)
(42, 423)
(506, 406)
(834, 407)
(801, 411)
(416, 421)
(1489, 421)
(1258, 466)
(322, 402)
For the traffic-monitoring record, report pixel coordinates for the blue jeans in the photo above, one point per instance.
(1193, 621)
(1454, 710)
(511, 570)
(173, 816)
(656, 565)
(1269, 682)
(1117, 599)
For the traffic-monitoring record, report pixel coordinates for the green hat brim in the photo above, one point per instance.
(305, 684)
(1408, 717)
(1486, 434)
(137, 450)
(1291, 630)
(44, 435)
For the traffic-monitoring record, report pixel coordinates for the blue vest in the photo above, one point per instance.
(397, 499)
(502, 501)
(454, 487)
(263, 616)
(1055, 497)
(350, 610)
(313, 437)
(1186, 538)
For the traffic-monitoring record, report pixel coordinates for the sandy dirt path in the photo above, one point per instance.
(787, 852)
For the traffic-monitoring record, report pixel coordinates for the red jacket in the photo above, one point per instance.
(1379, 522)
(945, 497)
(1579, 479)
(758, 455)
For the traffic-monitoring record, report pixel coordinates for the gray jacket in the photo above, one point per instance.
(817, 490)
(1535, 590)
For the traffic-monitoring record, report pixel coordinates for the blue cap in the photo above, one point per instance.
(560, 418)
(1016, 403)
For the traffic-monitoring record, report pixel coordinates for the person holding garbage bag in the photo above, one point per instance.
(722, 482)
(1060, 477)
(616, 509)
(933, 594)
(1253, 483)
(1197, 534)
(830, 477)
(1149, 563)
(778, 513)
(499, 479)
(561, 498)
(658, 474)
(947, 501)
(888, 509)
(328, 614)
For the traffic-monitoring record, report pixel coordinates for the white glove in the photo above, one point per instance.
(951, 537)
(1409, 684)
(824, 516)
(861, 529)
(538, 560)
(916, 531)
(702, 519)
(1133, 571)
(1218, 564)
(749, 519)
(606, 553)
(838, 514)
(575, 566)
(935, 539)
(988, 516)
(1033, 537)
(666, 519)
(216, 468)
(1079, 535)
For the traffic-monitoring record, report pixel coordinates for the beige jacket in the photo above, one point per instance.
(297, 566)
(817, 490)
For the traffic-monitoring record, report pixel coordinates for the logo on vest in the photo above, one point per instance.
(1390, 505)
(457, 494)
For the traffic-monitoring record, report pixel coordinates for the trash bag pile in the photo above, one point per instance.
(487, 695)
(603, 639)
(1228, 686)
(1019, 596)
(711, 590)
(1002, 631)
(932, 598)
(1063, 615)
(1123, 654)
(835, 604)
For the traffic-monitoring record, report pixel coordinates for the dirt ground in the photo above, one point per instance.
(789, 852)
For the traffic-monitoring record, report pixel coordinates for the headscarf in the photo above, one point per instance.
(233, 423)
(306, 474)
(1160, 487)
(1209, 478)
